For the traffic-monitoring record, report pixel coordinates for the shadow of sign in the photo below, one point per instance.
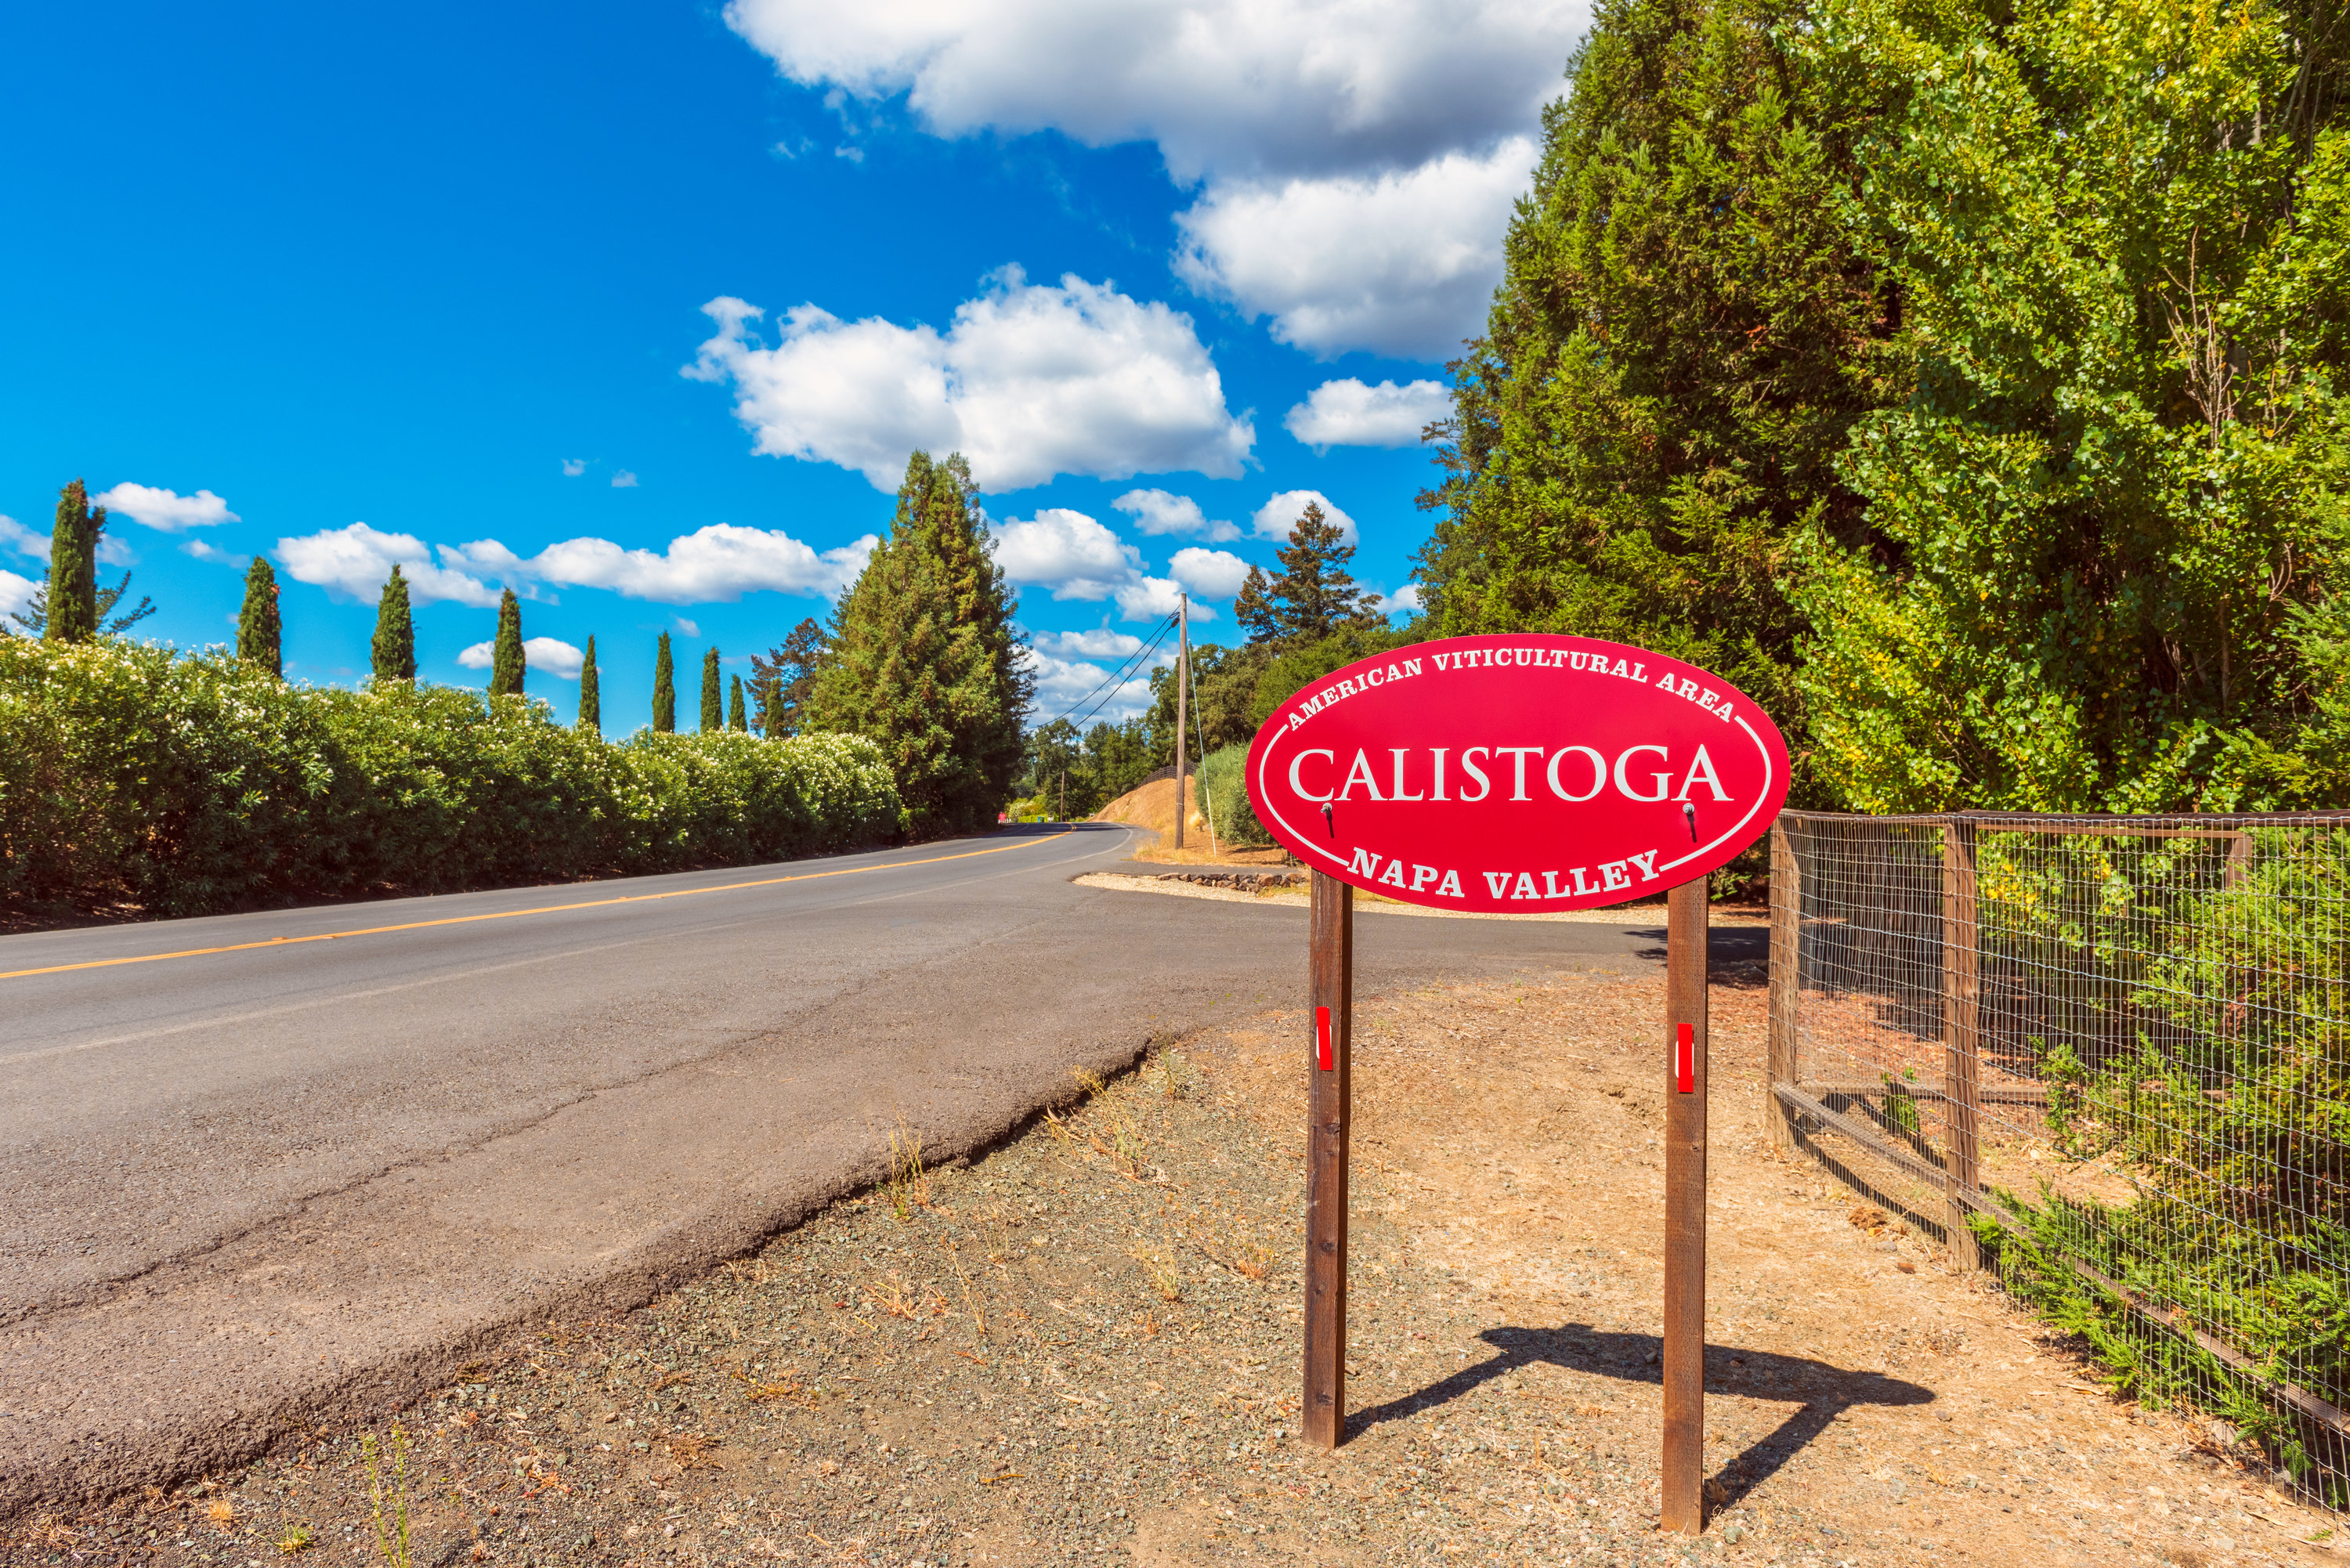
(1821, 1392)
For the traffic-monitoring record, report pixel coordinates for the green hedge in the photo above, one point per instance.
(193, 785)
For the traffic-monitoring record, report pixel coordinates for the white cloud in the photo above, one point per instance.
(165, 509)
(1208, 574)
(15, 592)
(1067, 552)
(355, 561)
(1098, 643)
(1356, 158)
(855, 154)
(546, 654)
(685, 628)
(1157, 512)
(573, 467)
(716, 563)
(1078, 558)
(1031, 380)
(1230, 86)
(1404, 600)
(204, 550)
(1348, 413)
(1402, 262)
(624, 479)
(15, 535)
(1275, 519)
(1148, 599)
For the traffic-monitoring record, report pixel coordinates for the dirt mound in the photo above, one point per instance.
(1152, 806)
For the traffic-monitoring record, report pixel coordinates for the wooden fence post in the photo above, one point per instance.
(1962, 1094)
(1330, 1098)
(1786, 983)
(1685, 1072)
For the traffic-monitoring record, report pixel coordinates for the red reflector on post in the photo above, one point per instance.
(1322, 1037)
(1685, 1061)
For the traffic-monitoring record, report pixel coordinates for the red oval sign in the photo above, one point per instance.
(1511, 775)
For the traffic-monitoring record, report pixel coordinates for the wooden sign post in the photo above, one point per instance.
(1510, 776)
(1330, 1107)
(1685, 1020)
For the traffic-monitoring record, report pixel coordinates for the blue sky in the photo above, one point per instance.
(471, 288)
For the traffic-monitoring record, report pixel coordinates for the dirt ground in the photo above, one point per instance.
(1085, 1346)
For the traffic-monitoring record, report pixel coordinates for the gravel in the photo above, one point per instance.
(1083, 1347)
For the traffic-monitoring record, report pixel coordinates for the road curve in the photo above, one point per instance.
(263, 1171)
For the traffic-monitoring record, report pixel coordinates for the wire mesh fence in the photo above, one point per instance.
(2108, 1057)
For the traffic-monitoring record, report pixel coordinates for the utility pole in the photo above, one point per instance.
(1064, 796)
(1183, 708)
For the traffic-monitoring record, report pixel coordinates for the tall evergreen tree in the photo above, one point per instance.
(72, 607)
(257, 626)
(591, 702)
(1314, 596)
(1689, 322)
(925, 657)
(506, 662)
(735, 717)
(664, 689)
(713, 712)
(783, 677)
(394, 649)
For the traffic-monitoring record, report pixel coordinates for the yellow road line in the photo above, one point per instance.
(517, 914)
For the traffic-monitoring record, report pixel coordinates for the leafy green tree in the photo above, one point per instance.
(924, 657)
(1052, 769)
(736, 718)
(782, 678)
(664, 689)
(713, 711)
(1690, 320)
(591, 700)
(394, 649)
(506, 664)
(2115, 505)
(258, 629)
(71, 607)
(1315, 595)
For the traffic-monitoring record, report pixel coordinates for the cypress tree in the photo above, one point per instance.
(395, 633)
(924, 657)
(73, 567)
(591, 705)
(736, 719)
(712, 717)
(506, 662)
(664, 689)
(257, 625)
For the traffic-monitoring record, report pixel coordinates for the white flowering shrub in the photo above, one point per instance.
(189, 784)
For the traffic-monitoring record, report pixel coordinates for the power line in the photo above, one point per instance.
(1110, 683)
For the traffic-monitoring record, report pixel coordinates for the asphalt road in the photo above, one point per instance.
(263, 1170)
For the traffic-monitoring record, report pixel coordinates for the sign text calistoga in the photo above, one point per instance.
(1517, 773)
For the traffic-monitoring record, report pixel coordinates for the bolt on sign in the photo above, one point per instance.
(1509, 775)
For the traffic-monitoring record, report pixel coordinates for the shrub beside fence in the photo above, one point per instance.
(191, 786)
(1224, 780)
(2108, 1057)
